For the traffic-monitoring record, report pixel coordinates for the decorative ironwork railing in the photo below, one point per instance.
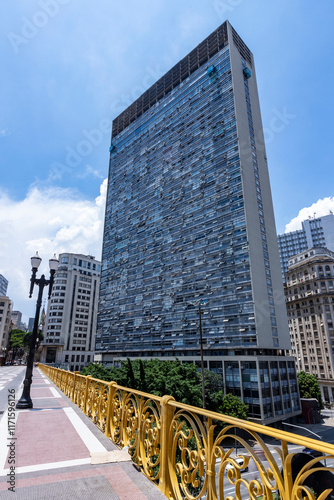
(191, 453)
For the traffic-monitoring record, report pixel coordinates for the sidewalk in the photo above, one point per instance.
(53, 449)
(309, 430)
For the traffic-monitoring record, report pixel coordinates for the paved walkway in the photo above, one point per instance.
(53, 450)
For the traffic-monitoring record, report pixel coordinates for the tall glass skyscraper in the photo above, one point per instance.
(189, 216)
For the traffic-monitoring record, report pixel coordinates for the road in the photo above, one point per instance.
(325, 431)
(11, 378)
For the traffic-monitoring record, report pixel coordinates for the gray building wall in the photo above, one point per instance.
(257, 192)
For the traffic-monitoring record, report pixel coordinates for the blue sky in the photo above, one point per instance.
(70, 66)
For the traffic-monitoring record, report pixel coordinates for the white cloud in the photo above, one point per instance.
(318, 209)
(90, 171)
(50, 220)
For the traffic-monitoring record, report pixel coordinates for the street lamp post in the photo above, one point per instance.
(25, 400)
(198, 303)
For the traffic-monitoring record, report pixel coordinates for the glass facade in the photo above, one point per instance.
(175, 227)
(187, 210)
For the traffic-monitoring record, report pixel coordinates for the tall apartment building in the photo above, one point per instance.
(16, 320)
(316, 232)
(5, 319)
(3, 286)
(189, 216)
(70, 325)
(309, 293)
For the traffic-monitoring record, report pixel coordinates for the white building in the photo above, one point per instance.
(71, 317)
(316, 232)
(309, 293)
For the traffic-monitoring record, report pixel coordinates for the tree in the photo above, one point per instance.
(232, 406)
(309, 387)
(131, 376)
(16, 339)
(142, 383)
(99, 372)
(180, 380)
(19, 342)
(213, 385)
(155, 376)
(27, 339)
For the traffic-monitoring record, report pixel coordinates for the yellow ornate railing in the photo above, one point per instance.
(191, 453)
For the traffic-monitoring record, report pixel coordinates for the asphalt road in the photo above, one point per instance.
(11, 377)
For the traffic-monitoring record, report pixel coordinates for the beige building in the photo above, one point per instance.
(309, 293)
(70, 326)
(5, 318)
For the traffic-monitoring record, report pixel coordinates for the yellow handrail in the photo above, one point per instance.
(192, 453)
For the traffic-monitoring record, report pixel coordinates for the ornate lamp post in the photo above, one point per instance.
(25, 400)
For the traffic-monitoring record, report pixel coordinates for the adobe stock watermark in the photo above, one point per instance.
(30, 27)
(278, 122)
(11, 445)
(225, 7)
(74, 155)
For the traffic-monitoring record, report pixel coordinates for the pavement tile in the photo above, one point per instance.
(55, 437)
(86, 488)
(40, 392)
(120, 484)
(40, 404)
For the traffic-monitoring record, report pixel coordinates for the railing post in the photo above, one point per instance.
(167, 414)
(111, 391)
(86, 394)
(61, 381)
(66, 383)
(74, 382)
